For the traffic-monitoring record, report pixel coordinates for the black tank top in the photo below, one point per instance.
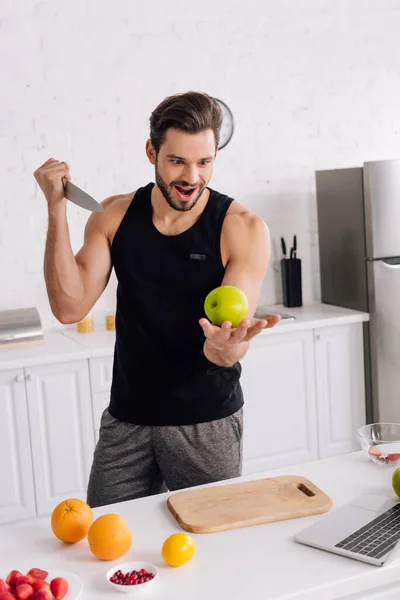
(160, 373)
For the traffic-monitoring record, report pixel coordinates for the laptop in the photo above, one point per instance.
(366, 529)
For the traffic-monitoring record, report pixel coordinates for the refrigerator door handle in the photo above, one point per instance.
(391, 263)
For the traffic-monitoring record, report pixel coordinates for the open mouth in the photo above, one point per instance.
(184, 192)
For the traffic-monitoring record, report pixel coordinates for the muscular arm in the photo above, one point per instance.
(74, 283)
(248, 245)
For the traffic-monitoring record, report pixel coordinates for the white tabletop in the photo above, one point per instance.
(259, 563)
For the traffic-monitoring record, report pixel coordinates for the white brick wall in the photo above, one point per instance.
(312, 84)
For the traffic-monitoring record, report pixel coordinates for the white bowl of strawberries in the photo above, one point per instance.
(37, 585)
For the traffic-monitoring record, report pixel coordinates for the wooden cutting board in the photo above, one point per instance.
(234, 505)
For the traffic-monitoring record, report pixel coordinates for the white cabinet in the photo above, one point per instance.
(339, 368)
(101, 370)
(278, 381)
(62, 434)
(304, 396)
(304, 399)
(17, 497)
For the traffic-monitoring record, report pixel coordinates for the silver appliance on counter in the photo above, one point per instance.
(20, 326)
(359, 247)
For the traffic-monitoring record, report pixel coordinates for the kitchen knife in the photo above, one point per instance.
(295, 247)
(283, 247)
(79, 197)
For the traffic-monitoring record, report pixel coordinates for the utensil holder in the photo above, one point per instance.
(291, 282)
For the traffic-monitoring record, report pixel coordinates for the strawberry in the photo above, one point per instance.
(37, 573)
(41, 585)
(393, 457)
(41, 595)
(6, 596)
(12, 578)
(24, 579)
(4, 587)
(59, 587)
(24, 591)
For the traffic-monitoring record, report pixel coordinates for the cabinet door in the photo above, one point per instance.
(61, 431)
(280, 426)
(339, 360)
(17, 496)
(100, 402)
(101, 370)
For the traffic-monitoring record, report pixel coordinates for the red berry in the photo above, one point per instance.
(23, 591)
(12, 578)
(4, 587)
(38, 574)
(7, 596)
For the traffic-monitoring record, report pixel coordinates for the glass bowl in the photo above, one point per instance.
(381, 442)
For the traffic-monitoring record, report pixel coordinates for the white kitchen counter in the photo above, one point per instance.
(98, 343)
(312, 316)
(56, 347)
(67, 344)
(260, 562)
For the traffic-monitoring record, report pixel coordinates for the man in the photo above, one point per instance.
(175, 413)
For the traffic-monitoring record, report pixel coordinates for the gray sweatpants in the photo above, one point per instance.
(132, 461)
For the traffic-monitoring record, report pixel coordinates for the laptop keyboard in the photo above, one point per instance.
(377, 537)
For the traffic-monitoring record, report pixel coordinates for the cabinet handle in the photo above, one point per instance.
(318, 337)
(18, 378)
(28, 377)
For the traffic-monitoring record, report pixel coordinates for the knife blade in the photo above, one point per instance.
(79, 197)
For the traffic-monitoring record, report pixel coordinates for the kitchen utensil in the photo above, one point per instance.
(293, 249)
(77, 196)
(291, 281)
(254, 502)
(132, 566)
(381, 442)
(283, 247)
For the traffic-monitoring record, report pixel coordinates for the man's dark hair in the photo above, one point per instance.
(192, 112)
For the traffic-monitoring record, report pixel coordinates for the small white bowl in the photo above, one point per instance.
(132, 566)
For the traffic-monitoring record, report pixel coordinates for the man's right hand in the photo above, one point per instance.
(49, 177)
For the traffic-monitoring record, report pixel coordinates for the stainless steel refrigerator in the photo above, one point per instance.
(359, 247)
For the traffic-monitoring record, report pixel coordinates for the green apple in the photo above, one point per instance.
(396, 481)
(226, 303)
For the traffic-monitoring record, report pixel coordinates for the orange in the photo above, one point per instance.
(178, 549)
(71, 519)
(109, 537)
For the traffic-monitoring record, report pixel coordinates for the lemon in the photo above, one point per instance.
(178, 549)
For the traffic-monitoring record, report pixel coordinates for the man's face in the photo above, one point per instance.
(184, 167)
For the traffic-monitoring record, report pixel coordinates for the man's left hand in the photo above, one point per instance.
(226, 336)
